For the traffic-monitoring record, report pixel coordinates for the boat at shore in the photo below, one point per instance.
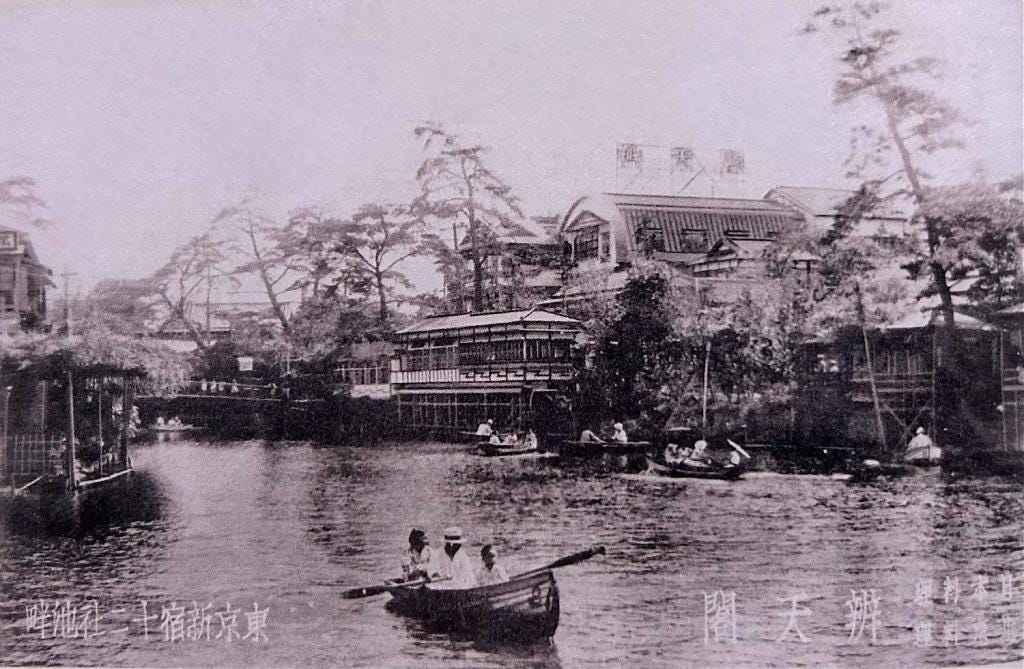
(488, 449)
(524, 608)
(725, 473)
(170, 427)
(870, 470)
(596, 448)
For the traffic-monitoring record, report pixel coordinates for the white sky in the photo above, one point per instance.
(141, 120)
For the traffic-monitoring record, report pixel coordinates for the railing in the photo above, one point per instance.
(33, 455)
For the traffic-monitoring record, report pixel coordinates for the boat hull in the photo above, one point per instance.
(730, 473)
(523, 609)
(488, 449)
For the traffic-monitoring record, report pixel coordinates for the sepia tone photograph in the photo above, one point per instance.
(527, 334)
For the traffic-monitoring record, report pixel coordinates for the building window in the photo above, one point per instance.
(587, 244)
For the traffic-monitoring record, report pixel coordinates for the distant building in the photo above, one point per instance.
(1012, 377)
(720, 240)
(23, 282)
(450, 373)
(521, 260)
(820, 207)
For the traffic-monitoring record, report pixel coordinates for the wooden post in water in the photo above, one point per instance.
(70, 463)
(126, 421)
(99, 422)
(704, 395)
(8, 451)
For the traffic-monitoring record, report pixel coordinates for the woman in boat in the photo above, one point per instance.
(530, 440)
(455, 565)
(419, 561)
(588, 437)
(673, 454)
(619, 436)
(485, 429)
(922, 449)
(495, 440)
(491, 572)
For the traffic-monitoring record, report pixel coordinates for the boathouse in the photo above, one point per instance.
(1011, 342)
(837, 391)
(450, 373)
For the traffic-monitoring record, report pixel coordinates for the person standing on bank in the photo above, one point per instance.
(455, 565)
(491, 572)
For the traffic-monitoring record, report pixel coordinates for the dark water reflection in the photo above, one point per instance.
(290, 526)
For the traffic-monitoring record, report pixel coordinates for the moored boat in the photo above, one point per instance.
(488, 449)
(524, 608)
(727, 473)
(180, 427)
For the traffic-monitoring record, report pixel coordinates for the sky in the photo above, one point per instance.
(141, 120)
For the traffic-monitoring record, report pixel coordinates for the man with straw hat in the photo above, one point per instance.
(455, 565)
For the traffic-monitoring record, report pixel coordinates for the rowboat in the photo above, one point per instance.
(488, 449)
(180, 427)
(522, 609)
(727, 473)
(870, 470)
(593, 448)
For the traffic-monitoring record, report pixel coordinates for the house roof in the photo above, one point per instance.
(921, 319)
(825, 201)
(689, 224)
(487, 319)
(1014, 310)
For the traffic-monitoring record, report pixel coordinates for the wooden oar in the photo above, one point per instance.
(738, 448)
(567, 560)
(371, 590)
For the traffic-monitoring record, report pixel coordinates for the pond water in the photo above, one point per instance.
(800, 570)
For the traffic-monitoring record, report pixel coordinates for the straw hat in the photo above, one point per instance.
(920, 430)
(453, 535)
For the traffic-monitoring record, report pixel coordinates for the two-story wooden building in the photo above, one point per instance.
(23, 282)
(450, 373)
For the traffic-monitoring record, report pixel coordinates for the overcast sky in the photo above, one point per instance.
(141, 120)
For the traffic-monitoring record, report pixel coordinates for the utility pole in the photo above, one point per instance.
(66, 275)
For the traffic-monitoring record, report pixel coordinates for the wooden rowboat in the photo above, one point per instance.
(727, 473)
(524, 608)
(488, 449)
(593, 448)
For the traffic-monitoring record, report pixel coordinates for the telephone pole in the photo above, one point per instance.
(66, 275)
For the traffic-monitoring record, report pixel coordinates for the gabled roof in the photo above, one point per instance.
(486, 319)
(824, 201)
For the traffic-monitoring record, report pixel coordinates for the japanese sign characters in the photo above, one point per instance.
(171, 622)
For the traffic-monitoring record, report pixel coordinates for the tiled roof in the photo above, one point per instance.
(460, 321)
(920, 319)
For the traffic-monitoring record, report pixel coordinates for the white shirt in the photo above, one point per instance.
(496, 574)
(458, 568)
(620, 436)
(484, 430)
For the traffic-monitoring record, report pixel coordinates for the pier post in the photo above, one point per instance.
(8, 451)
(126, 421)
(70, 464)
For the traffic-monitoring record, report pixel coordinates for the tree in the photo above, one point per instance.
(310, 240)
(124, 306)
(18, 194)
(915, 123)
(457, 186)
(378, 239)
(258, 246)
(194, 265)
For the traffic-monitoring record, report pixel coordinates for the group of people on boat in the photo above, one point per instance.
(695, 456)
(619, 436)
(452, 568)
(494, 437)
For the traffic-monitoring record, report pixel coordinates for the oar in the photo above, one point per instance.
(567, 560)
(738, 448)
(371, 590)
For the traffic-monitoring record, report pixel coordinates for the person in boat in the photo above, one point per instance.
(495, 440)
(619, 436)
(921, 447)
(455, 565)
(485, 429)
(530, 440)
(512, 439)
(699, 457)
(588, 437)
(674, 454)
(160, 421)
(491, 572)
(419, 561)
